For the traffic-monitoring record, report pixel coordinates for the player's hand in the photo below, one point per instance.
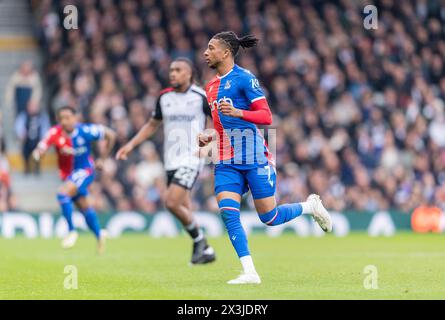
(228, 110)
(36, 154)
(99, 164)
(122, 153)
(204, 139)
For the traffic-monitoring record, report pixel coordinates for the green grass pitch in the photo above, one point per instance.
(410, 266)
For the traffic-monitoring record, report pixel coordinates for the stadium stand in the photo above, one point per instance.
(360, 112)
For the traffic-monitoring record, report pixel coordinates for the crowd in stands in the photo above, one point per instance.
(359, 113)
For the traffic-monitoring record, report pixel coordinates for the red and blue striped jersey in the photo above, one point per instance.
(240, 141)
(73, 150)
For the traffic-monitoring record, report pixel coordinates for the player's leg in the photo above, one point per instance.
(229, 186)
(178, 201)
(202, 252)
(83, 180)
(229, 206)
(83, 203)
(26, 159)
(64, 194)
(262, 182)
(273, 215)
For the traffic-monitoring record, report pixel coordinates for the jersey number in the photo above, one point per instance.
(268, 175)
(185, 176)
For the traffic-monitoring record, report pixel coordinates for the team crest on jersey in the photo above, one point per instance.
(227, 85)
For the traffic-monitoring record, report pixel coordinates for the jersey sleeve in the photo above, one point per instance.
(252, 89)
(157, 112)
(48, 140)
(205, 107)
(259, 113)
(94, 132)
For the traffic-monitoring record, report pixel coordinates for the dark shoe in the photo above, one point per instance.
(202, 253)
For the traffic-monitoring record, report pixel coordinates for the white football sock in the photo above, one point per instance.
(247, 263)
(307, 208)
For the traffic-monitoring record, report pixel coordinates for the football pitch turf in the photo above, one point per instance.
(409, 266)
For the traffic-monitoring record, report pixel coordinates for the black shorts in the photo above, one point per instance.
(183, 176)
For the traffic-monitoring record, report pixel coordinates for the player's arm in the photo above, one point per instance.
(43, 146)
(144, 133)
(209, 133)
(207, 112)
(259, 110)
(259, 113)
(110, 138)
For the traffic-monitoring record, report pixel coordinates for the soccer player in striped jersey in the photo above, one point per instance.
(72, 141)
(238, 105)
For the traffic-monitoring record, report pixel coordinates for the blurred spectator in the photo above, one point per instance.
(23, 86)
(31, 126)
(359, 113)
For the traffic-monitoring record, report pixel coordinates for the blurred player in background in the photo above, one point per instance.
(238, 104)
(72, 141)
(183, 110)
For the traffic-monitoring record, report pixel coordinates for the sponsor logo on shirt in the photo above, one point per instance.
(216, 103)
(255, 83)
(181, 117)
(80, 150)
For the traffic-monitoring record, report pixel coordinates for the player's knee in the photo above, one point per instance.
(63, 197)
(87, 211)
(268, 218)
(68, 189)
(62, 190)
(171, 203)
(229, 210)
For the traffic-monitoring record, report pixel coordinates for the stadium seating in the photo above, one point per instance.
(358, 111)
